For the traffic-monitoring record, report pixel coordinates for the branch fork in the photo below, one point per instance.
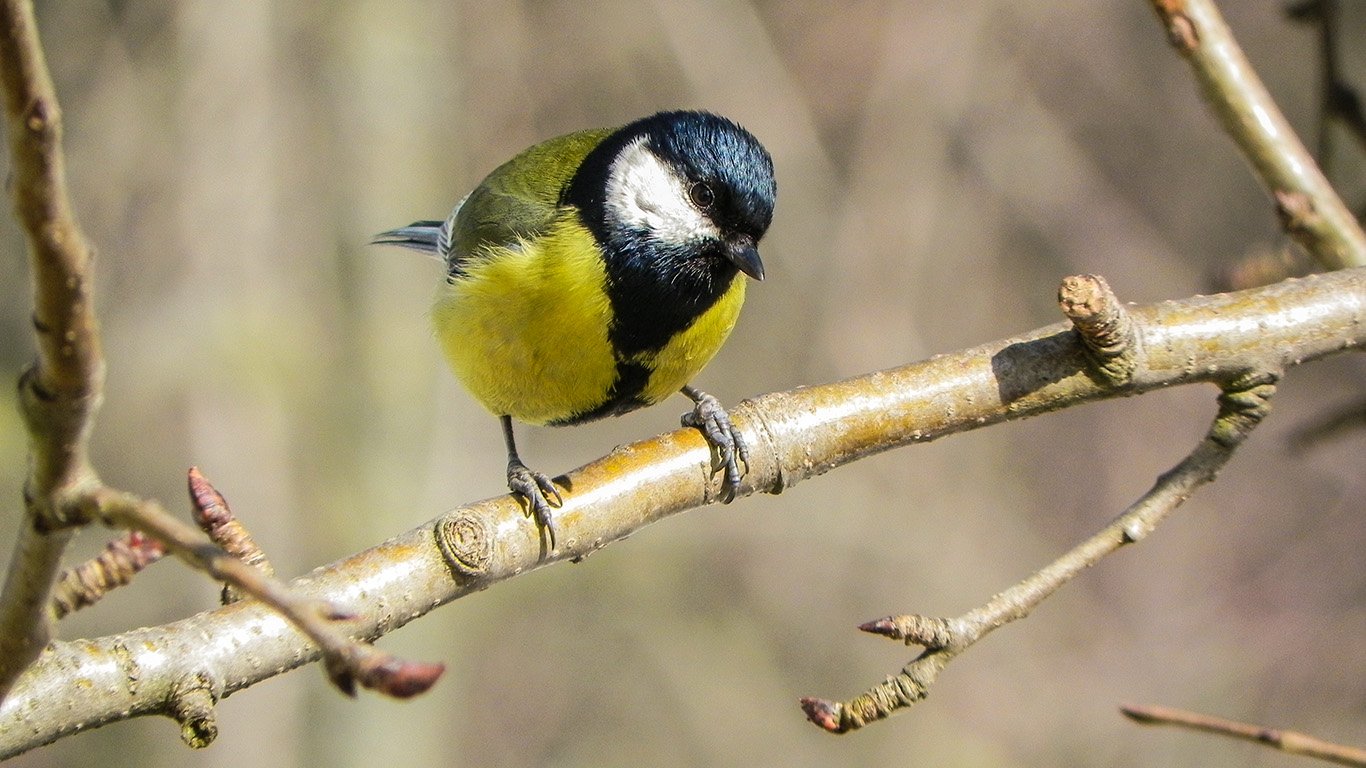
(1109, 337)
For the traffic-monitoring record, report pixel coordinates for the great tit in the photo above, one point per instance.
(596, 273)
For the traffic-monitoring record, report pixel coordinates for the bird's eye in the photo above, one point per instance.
(701, 194)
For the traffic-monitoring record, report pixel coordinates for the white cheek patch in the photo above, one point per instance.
(644, 193)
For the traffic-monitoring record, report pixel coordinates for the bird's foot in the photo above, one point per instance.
(538, 491)
(710, 417)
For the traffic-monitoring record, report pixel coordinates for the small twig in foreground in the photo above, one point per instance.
(348, 662)
(1294, 742)
(122, 559)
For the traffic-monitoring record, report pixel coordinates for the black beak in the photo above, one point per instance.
(742, 253)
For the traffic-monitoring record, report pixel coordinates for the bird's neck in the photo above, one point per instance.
(658, 290)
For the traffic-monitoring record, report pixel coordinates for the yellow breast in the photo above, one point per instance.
(526, 330)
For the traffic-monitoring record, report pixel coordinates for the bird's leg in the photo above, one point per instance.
(540, 493)
(710, 417)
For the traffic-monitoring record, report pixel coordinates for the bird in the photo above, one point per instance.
(596, 273)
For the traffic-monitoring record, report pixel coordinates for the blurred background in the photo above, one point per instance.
(941, 165)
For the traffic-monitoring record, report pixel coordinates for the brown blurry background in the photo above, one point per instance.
(941, 165)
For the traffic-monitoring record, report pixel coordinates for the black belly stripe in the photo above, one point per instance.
(622, 398)
(642, 327)
(656, 290)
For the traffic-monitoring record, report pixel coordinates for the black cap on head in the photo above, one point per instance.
(709, 148)
(701, 147)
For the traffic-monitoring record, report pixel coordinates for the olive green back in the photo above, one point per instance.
(518, 200)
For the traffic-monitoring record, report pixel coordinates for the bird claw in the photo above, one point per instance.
(710, 417)
(539, 492)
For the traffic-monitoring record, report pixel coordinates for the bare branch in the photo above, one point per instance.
(1294, 742)
(793, 435)
(348, 662)
(122, 559)
(60, 392)
(1111, 336)
(1310, 208)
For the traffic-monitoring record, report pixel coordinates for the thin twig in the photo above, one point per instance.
(1310, 208)
(60, 392)
(1293, 742)
(214, 516)
(1110, 335)
(122, 559)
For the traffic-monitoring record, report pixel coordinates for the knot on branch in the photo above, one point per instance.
(1243, 403)
(191, 704)
(57, 502)
(43, 119)
(1308, 226)
(1104, 325)
(1302, 220)
(1296, 211)
(466, 542)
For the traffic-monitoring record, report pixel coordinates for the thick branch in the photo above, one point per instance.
(60, 392)
(1310, 208)
(793, 435)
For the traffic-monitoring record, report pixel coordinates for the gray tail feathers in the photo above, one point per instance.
(422, 236)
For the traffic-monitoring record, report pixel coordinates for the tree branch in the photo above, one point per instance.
(60, 392)
(1310, 209)
(1293, 742)
(793, 435)
(1111, 336)
(215, 518)
(122, 559)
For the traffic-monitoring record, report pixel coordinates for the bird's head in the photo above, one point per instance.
(689, 193)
